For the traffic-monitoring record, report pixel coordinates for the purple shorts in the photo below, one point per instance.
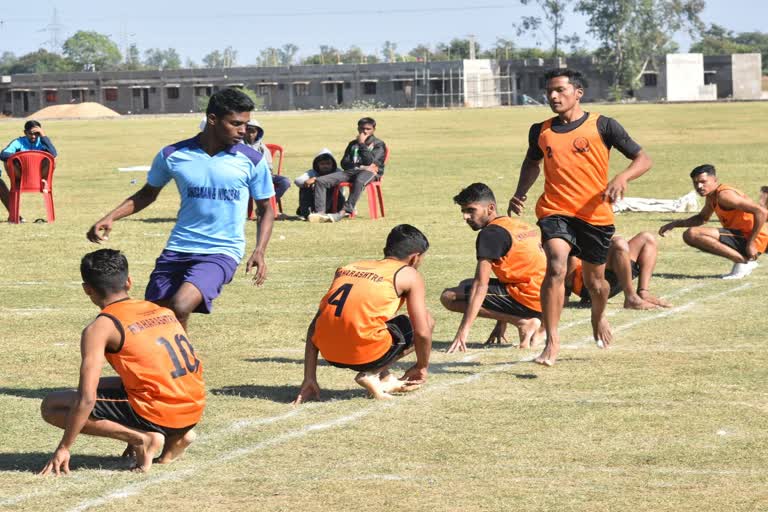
(207, 272)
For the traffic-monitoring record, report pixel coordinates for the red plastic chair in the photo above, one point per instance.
(277, 207)
(31, 163)
(375, 194)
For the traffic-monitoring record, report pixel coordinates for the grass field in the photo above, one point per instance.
(672, 418)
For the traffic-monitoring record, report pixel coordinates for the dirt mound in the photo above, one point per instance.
(87, 110)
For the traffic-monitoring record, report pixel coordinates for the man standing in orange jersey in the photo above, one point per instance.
(744, 235)
(510, 249)
(158, 395)
(574, 212)
(356, 328)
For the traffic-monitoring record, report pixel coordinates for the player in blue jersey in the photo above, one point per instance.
(215, 174)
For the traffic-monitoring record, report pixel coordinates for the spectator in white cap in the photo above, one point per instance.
(254, 137)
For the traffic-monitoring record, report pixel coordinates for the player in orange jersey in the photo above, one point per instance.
(744, 235)
(511, 250)
(574, 212)
(356, 328)
(158, 395)
(627, 260)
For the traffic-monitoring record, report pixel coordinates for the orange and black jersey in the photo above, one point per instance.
(350, 327)
(575, 158)
(737, 220)
(517, 258)
(157, 364)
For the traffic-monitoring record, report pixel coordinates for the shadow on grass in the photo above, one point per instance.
(282, 360)
(442, 346)
(34, 462)
(285, 394)
(30, 393)
(687, 276)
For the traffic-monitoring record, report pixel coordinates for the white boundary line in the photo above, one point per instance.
(134, 489)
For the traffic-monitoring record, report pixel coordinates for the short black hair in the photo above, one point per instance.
(227, 101)
(367, 120)
(475, 193)
(31, 124)
(575, 77)
(105, 270)
(703, 169)
(405, 240)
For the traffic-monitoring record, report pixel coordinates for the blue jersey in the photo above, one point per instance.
(23, 144)
(214, 194)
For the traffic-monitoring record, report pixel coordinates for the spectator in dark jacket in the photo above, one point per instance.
(362, 163)
(322, 165)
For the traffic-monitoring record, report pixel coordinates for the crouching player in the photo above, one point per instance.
(356, 328)
(158, 395)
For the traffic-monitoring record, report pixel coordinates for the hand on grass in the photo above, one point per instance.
(498, 334)
(58, 464)
(310, 390)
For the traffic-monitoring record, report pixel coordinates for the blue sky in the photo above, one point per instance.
(194, 28)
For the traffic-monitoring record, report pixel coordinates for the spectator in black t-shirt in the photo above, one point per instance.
(510, 249)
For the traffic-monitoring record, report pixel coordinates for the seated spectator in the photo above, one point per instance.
(323, 165)
(363, 162)
(254, 137)
(34, 139)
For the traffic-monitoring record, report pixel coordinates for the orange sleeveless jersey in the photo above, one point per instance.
(738, 220)
(160, 372)
(350, 327)
(522, 268)
(578, 278)
(575, 173)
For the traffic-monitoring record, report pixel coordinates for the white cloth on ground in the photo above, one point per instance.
(687, 203)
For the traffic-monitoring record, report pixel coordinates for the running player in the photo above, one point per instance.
(356, 328)
(627, 260)
(574, 212)
(744, 235)
(215, 174)
(158, 395)
(510, 249)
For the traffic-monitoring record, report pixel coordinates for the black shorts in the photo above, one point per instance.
(613, 282)
(590, 243)
(499, 300)
(733, 239)
(402, 339)
(112, 405)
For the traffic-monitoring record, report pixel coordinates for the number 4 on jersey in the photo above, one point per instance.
(339, 298)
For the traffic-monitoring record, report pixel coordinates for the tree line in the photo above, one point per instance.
(632, 36)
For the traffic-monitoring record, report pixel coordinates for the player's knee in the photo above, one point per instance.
(556, 271)
(690, 235)
(447, 298)
(620, 245)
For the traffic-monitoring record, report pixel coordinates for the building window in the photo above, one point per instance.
(136, 92)
(203, 90)
(397, 86)
(301, 89)
(111, 94)
(264, 89)
(330, 88)
(369, 87)
(710, 77)
(281, 87)
(347, 85)
(173, 93)
(650, 79)
(50, 96)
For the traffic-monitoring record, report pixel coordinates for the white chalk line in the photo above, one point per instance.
(242, 424)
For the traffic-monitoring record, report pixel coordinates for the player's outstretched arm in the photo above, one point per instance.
(697, 220)
(310, 389)
(99, 232)
(410, 285)
(92, 345)
(731, 200)
(616, 188)
(477, 294)
(529, 172)
(264, 225)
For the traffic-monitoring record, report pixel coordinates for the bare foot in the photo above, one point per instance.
(635, 301)
(391, 384)
(646, 296)
(372, 384)
(527, 330)
(146, 451)
(175, 446)
(549, 355)
(602, 332)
